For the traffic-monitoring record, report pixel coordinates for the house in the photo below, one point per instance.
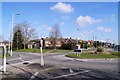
(6, 43)
(33, 44)
(30, 45)
(47, 42)
(90, 42)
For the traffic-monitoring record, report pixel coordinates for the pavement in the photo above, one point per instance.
(27, 66)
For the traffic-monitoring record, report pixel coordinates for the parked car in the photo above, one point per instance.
(117, 48)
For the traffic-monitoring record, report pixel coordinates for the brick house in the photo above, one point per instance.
(47, 43)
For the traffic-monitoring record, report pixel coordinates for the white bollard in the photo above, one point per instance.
(4, 61)
(41, 61)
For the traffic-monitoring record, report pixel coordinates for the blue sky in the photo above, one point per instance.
(98, 18)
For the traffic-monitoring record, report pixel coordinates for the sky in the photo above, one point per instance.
(79, 20)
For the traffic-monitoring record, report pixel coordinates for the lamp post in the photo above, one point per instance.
(93, 41)
(12, 25)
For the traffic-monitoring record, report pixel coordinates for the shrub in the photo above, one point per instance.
(99, 49)
(68, 46)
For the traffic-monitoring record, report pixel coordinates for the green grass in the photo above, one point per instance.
(7, 55)
(44, 50)
(60, 51)
(95, 56)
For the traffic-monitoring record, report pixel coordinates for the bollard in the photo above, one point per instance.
(42, 61)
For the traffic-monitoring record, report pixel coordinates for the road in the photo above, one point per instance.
(108, 67)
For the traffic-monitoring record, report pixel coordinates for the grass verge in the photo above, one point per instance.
(94, 56)
(7, 55)
(44, 50)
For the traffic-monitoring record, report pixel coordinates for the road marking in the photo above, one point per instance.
(1, 67)
(21, 59)
(54, 56)
(46, 69)
(64, 67)
(71, 74)
(34, 75)
(14, 59)
(71, 71)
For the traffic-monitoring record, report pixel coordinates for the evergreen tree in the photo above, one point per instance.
(18, 40)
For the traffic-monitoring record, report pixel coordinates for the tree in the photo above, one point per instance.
(17, 40)
(28, 33)
(69, 45)
(54, 34)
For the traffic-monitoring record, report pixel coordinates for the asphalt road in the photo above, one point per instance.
(108, 67)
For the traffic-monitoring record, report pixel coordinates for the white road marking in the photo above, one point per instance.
(71, 71)
(14, 59)
(1, 67)
(45, 69)
(54, 56)
(34, 75)
(71, 74)
(64, 67)
(21, 59)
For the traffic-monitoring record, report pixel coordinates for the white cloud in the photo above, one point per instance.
(86, 20)
(103, 29)
(62, 8)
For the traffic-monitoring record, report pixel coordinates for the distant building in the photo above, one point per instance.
(6, 43)
(47, 43)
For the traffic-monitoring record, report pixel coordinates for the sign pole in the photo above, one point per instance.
(41, 61)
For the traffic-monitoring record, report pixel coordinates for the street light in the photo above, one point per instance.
(13, 15)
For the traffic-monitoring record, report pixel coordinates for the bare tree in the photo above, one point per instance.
(28, 33)
(54, 34)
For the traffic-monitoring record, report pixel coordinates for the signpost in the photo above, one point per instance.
(41, 61)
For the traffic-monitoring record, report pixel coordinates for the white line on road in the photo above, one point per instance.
(71, 71)
(34, 75)
(1, 67)
(46, 69)
(64, 67)
(54, 56)
(71, 74)
(14, 59)
(21, 59)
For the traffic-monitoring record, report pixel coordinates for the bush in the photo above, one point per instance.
(68, 46)
(99, 49)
